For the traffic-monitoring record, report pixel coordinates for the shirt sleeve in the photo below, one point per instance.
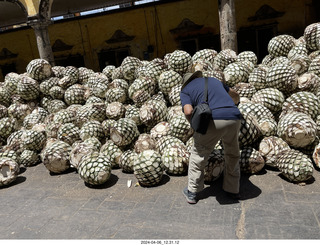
(185, 98)
(226, 87)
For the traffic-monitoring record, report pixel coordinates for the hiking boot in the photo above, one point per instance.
(190, 196)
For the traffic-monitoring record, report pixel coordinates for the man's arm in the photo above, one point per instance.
(187, 109)
(234, 95)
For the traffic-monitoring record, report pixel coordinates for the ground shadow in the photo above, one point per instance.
(68, 171)
(109, 183)
(247, 191)
(22, 170)
(165, 179)
(17, 181)
(306, 182)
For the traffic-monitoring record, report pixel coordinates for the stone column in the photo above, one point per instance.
(228, 27)
(43, 41)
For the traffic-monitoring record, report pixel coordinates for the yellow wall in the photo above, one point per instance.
(88, 35)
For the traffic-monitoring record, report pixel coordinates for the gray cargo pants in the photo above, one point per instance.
(228, 132)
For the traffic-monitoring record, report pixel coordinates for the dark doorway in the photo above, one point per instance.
(7, 68)
(112, 57)
(189, 45)
(72, 60)
(256, 39)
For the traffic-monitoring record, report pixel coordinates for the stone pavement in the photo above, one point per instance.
(43, 206)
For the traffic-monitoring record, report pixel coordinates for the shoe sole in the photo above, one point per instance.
(188, 200)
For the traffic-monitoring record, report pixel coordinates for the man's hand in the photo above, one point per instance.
(188, 109)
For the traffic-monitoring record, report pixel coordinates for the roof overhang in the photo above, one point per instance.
(14, 13)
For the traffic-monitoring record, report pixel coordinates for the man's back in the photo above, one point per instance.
(219, 100)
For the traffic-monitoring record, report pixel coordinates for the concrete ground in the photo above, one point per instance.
(39, 205)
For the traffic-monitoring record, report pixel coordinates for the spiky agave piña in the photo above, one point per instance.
(33, 140)
(308, 82)
(112, 151)
(312, 36)
(168, 141)
(258, 77)
(94, 111)
(316, 155)
(75, 94)
(39, 69)
(246, 90)
(174, 111)
(115, 110)
(300, 48)
(180, 61)
(174, 95)
(28, 88)
(249, 56)
(148, 168)
(215, 166)
(251, 160)
(68, 133)
(58, 71)
(271, 98)
(8, 125)
(95, 168)
(295, 166)
(11, 81)
(153, 112)
(144, 142)
(129, 66)
(126, 160)
(206, 54)
(305, 102)
(224, 58)
(5, 98)
(132, 112)
(70, 77)
(124, 131)
(19, 111)
(47, 84)
(175, 160)
(9, 170)
(10, 152)
(80, 149)
(116, 94)
(234, 73)
(167, 80)
(29, 158)
(300, 63)
(92, 128)
(55, 156)
(180, 128)
(249, 130)
(154, 68)
(108, 71)
(282, 77)
(281, 45)
(268, 126)
(84, 74)
(297, 129)
(160, 129)
(38, 115)
(201, 65)
(141, 90)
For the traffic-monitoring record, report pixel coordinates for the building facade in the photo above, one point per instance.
(152, 30)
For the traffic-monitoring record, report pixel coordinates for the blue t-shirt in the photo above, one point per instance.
(220, 102)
